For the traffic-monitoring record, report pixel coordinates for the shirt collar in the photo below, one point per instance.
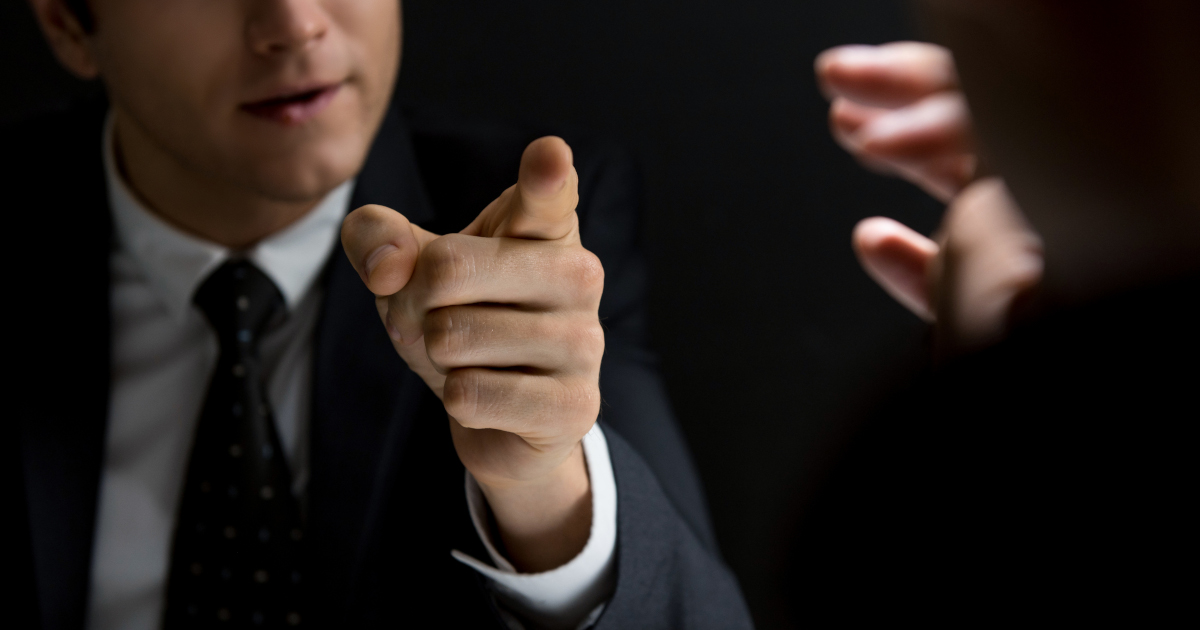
(176, 263)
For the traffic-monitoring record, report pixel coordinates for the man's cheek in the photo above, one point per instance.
(371, 36)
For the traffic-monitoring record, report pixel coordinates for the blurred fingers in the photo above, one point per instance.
(847, 118)
(936, 125)
(942, 177)
(929, 142)
(890, 75)
(899, 260)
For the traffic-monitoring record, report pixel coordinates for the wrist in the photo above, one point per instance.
(543, 522)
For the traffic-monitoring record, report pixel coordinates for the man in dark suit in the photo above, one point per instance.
(216, 428)
(1044, 466)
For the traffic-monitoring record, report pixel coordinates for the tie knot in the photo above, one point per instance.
(239, 301)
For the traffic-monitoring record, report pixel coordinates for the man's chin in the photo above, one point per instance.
(304, 162)
(303, 182)
(298, 193)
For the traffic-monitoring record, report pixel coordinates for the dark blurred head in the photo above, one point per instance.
(1088, 109)
(281, 97)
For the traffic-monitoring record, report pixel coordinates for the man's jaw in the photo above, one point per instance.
(293, 106)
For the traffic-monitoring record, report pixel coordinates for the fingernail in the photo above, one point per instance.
(376, 256)
(393, 333)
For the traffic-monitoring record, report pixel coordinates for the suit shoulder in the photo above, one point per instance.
(54, 157)
(53, 140)
(54, 181)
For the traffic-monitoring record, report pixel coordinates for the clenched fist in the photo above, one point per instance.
(501, 322)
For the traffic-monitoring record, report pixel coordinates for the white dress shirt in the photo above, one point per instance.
(163, 353)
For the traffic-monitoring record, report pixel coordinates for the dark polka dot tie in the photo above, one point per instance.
(235, 560)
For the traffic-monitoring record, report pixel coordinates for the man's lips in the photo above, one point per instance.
(295, 108)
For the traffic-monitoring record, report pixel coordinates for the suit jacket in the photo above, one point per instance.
(1050, 477)
(385, 500)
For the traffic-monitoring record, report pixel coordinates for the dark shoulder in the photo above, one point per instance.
(53, 177)
(1128, 351)
(58, 144)
(58, 239)
(465, 162)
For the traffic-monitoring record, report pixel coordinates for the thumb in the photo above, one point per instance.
(542, 203)
(383, 247)
(898, 259)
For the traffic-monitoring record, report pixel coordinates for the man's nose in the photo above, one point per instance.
(278, 26)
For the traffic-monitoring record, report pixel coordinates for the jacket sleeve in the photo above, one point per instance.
(669, 572)
(666, 577)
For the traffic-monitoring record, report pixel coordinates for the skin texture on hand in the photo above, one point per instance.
(501, 321)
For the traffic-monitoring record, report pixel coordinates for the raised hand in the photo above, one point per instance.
(898, 109)
(501, 322)
(967, 280)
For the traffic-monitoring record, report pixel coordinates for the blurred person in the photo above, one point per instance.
(230, 416)
(1042, 469)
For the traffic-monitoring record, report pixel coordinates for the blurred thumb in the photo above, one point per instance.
(898, 259)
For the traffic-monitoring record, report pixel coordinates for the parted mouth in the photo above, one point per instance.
(294, 106)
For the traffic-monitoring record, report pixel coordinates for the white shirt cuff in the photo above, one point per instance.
(574, 594)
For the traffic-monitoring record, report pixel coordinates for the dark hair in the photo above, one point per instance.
(83, 13)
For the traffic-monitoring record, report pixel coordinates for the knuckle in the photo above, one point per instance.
(397, 306)
(579, 400)
(585, 341)
(401, 311)
(448, 263)
(462, 395)
(585, 272)
(444, 333)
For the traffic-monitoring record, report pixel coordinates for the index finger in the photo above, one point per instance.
(541, 206)
(890, 75)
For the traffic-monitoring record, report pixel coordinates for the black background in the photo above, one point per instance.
(772, 339)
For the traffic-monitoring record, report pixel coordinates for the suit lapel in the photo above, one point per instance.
(364, 396)
(65, 401)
